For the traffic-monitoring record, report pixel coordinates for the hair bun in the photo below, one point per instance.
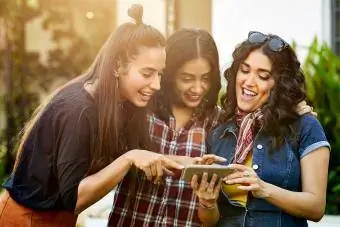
(136, 12)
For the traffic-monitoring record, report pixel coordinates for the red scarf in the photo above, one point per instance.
(246, 123)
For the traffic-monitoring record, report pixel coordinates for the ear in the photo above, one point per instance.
(119, 68)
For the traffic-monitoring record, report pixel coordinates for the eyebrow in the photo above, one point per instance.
(189, 74)
(259, 69)
(150, 69)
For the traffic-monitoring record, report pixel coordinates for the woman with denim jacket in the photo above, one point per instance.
(280, 159)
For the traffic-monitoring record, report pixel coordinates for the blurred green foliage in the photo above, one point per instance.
(322, 70)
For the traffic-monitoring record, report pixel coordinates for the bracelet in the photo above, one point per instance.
(207, 207)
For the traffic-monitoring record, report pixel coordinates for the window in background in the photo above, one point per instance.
(335, 9)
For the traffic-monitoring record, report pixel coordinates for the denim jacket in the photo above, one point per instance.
(280, 168)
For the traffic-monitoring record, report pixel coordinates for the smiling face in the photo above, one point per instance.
(254, 81)
(142, 76)
(192, 83)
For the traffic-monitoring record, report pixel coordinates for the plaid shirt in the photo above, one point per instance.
(172, 203)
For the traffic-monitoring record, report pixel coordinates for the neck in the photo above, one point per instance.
(182, 115)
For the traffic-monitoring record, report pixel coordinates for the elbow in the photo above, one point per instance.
(80, 207)
(316, 217)
(77, 211)
(317, 214)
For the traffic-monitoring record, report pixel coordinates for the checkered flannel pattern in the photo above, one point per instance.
(172, 203)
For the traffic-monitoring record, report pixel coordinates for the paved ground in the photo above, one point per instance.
(96, 215)
(326, 222)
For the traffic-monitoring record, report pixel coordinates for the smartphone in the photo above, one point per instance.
(220, 170)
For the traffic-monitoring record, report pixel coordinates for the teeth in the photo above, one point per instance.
(193, 96)
(248, 92)
(146, 94)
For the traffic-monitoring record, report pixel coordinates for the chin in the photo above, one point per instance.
(140, 103)
(193, 106)
(244, 108)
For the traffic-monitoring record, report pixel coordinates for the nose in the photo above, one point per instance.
(198, 87)
(250, 80)
(156, 82)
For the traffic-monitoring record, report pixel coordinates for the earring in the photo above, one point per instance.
(117, 82)
(116, 75)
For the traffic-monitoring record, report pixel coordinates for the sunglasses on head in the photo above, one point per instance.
(275, 43)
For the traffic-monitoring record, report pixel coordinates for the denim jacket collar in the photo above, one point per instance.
(230, 127)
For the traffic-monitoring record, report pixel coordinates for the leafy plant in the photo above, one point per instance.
(322, 68)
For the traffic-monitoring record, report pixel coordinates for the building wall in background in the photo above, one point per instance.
(193, 14)
(154, 12)
(294, 20)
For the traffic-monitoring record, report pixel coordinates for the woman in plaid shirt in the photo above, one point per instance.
(184, 110)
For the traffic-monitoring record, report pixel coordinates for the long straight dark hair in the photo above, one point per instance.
(183, 46)
(121, 46)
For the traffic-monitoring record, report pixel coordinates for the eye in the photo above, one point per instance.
(147, 75)
(206, 78)
(244, 69)
(186, 79)
(264, 76)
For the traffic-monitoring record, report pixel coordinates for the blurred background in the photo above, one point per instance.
(44, 43)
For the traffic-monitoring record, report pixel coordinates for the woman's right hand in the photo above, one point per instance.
(152, 164)
(207, 192)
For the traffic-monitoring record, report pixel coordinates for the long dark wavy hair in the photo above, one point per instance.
(183, 46)
(289, 89)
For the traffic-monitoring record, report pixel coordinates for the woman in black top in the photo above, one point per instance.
(89, 134)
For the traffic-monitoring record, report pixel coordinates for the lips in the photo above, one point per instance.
(146, 96)
(192, 97)
(248, 92)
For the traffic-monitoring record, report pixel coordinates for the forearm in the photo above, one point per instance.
(94, 187)
(300, 204)
(208, 217)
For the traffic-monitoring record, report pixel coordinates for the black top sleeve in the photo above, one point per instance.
(73, 159)
(56, 155)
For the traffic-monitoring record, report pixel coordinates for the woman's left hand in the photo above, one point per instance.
(207, 192)
(248, 179)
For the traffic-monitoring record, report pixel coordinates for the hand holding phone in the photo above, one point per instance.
(220, 170)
